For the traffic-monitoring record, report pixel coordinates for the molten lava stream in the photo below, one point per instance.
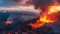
(46, 17)
(36, 25)
(43, 19)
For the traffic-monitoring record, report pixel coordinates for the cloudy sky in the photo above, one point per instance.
(5, 3)
(13, 4)
(8, 3)
(17, 2)
(36, 3)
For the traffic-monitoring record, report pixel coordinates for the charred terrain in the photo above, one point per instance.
(18, 24)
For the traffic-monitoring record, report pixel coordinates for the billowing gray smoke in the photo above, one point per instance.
(42, 4)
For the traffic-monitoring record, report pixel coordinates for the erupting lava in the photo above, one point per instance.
(49, 16)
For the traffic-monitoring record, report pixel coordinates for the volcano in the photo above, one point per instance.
(29, 16)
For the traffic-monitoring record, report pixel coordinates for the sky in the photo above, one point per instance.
(18, 3)
(8, 3)
(13, 4)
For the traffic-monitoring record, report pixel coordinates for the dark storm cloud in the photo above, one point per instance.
(42, 3)
(58, 1)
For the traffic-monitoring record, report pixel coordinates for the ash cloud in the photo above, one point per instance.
(42, 3)
(58, 1)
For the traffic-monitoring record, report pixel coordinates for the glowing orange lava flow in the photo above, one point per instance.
(47, 17)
